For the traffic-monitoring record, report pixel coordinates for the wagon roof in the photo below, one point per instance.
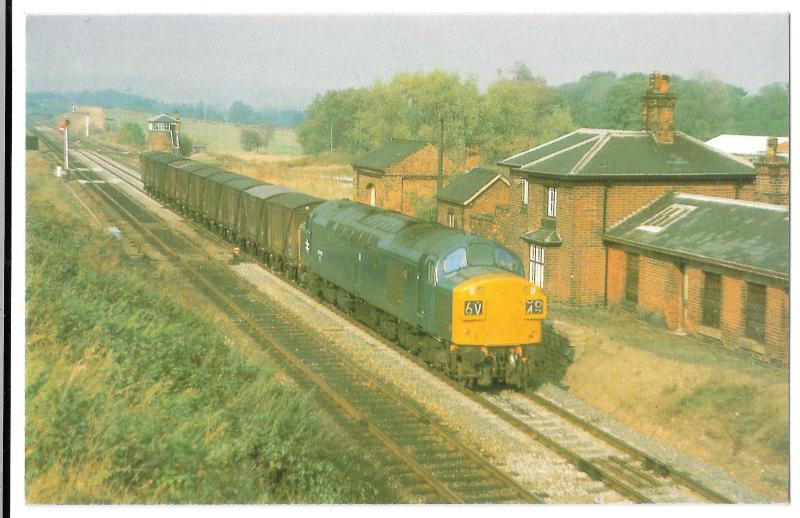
(292, 200)
(161, 156)
(244, 183)
(192, 166)
(267, 191)
(224, 177)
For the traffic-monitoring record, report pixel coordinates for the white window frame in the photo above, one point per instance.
(536, 265)
(525, 193)
(451, 219)
(372, 195)
(552, 202)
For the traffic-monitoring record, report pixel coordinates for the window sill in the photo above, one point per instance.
(710, 332)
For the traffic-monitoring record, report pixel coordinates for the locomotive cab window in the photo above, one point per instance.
(507, 261)
(455, 260)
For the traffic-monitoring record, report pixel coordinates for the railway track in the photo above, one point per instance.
(416, 451)
(624, 468)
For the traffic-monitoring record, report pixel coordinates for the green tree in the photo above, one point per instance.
(132, 134)
(267, 131)
(241, 113)
(186, 147)
(766, 113)
(623, 106)
(586, 98)
(251, 139)
(516, 115)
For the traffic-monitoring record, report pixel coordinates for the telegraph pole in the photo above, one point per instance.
(66, 148)
(440, 167)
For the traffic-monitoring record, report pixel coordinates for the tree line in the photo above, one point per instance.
(47, 104)
(521, 110)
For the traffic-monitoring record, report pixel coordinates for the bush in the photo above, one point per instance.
(131, 134)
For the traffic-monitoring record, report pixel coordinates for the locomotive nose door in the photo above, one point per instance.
(426, 292)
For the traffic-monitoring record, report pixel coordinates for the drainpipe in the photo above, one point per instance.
(605, 248)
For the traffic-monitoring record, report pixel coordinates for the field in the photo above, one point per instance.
(136, 392)
(217, 137)
(324, 177)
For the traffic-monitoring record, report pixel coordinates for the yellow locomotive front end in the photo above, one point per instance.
(496, 318)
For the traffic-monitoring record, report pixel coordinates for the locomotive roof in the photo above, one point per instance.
(408, 236)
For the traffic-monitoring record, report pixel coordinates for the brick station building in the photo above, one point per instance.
(567, 192)
(471, 197)
(397, 174)
(707, 266)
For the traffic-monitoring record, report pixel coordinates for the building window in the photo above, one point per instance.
(371, 191)
(755, 311)
(712, 299)
(632, 278)
(552, 201)
(524, 192)
(451, 218)
(536, 265)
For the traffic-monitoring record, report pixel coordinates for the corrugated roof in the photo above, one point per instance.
(744, 144)
(464, 187)
(598, 153)
(740, 234)
(388, 154)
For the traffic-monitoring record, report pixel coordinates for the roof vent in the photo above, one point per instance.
(666, 217)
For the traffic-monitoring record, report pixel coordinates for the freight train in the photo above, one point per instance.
(457, 300)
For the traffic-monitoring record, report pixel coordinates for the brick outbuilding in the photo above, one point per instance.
(399, 175)
(565, 193)
(708, 266)
(471, 196)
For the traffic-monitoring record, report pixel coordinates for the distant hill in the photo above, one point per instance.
(48, 104)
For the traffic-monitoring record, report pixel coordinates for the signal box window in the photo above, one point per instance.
(755, 311)
(712, 299)
(632, 279)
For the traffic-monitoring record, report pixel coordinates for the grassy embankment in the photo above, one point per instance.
(132, 396)
(684, 392)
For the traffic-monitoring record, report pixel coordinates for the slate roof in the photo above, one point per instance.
(163, 118)
(592, 154)
(380, 159)
(463, 188)
(743, 235)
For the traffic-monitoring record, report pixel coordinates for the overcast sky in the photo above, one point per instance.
(283, 61)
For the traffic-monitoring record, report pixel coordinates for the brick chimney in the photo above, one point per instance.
(772, 176)
(658, 106)
(473, 155)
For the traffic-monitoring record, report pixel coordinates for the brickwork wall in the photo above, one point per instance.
(575, 271)
(660, 291)
(159, 141)
(398, 187)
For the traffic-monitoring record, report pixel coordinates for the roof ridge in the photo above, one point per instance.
(690, 138)
(569, 148)
(601, 142)
(733, 201)
(562, 137)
